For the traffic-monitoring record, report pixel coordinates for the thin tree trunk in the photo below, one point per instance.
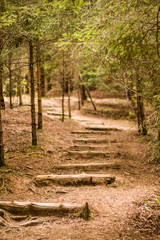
(82, 90)
(140, 110)
(39, 90)
(138, 114)
(1, 141)
(89, 94)
(63, 89)
(69, 97)
(79, 101)
(1, 132)
(33, 114)
(43, 92)
(1, 85)
(20, 91)
(10, 82)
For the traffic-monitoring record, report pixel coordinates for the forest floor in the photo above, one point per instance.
(126, 209)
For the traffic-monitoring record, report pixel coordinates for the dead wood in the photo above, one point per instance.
(93, 140)
(19, 218)
(91, 132)
(87, 179)
(90, 154)
(56, 114)
(41, 209)
(89, 166)
(97, 128)
(31, 223)
(87, 147)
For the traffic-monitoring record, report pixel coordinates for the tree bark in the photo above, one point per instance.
(39, 89)
(20, 91)
(140, 110)
(10, 82)
(43, 92)
(1, 141)
(1, 131)
(84, 96)
(79, 101)
(33, 114)
(69, 97)
(63, 89)
(1, 85)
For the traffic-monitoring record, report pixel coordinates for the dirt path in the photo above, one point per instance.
(118, 210)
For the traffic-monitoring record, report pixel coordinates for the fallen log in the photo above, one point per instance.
(56, 114)
(77, 179)
(90, 132)
(90, 154)
(87, 147)
(93, 140)
(97, 128)
(88, 166)
(45, 209)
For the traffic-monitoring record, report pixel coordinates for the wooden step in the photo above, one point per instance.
(56, 114)
(44, 209)
(94, 123)
(90, 132)
(78, 179)
(89, 154)
(51, 108)
(97, 128)
(87, 147)
(88, 166)
(91, 140)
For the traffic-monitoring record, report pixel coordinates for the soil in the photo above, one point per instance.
(127, 209)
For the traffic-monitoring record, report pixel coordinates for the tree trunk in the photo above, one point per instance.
(10, 82)
(1, 141)
(140, 110)
(83, 94)
(20, 91)
(1, 85)
(79, 101)
(33, 114)
(39, 89)
(63, 90)
(88, 94)
(1, 132)
(69, 97)
(43, 92)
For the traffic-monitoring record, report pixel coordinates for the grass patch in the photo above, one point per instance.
(33, 148)
(6, 167)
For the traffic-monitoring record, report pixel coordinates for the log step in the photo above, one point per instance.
(88, 166)
(94, 123)
(93, 140)
(56, 114)
(97, 128)
(78, 179)
(51, 108)
(90, 132)
(89, 154)
(87, 147)
(44, 209)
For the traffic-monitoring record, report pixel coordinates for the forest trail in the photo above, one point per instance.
(101, 161)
